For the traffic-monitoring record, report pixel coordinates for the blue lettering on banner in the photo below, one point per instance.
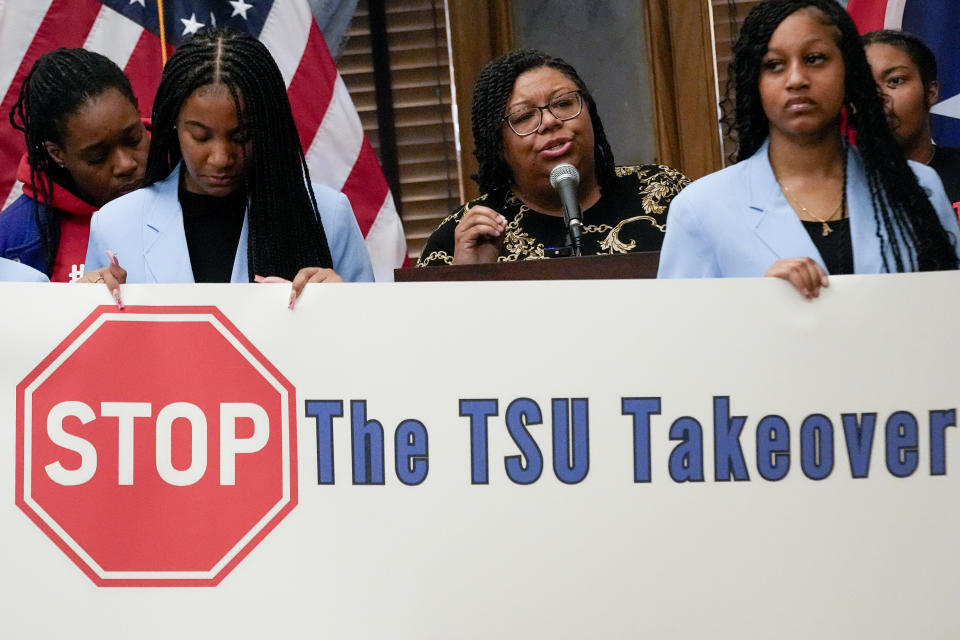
(773, 448)
(727, 454)
(569, 450)
(686, 459)
(571, 439)
(902, 455)
(526, 467)
(940, 420)
(816, 446)
(858, 430)
(324, 411)
(479, 412)
(410, 442)
(641, 409)
(366, 438)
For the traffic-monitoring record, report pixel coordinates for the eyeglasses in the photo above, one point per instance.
(525, 121)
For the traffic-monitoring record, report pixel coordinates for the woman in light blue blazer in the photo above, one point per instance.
(228, 195)
(800, 202)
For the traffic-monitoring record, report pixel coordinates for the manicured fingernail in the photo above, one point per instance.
(116, 296)
(112, 257)
(293, 299)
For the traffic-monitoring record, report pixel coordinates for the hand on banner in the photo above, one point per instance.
(478, 236)
(113, 275)
(804, 273)
(303, 277)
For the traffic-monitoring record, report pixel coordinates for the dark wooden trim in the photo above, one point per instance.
(659, 48)
(386, 123)
(476, 37)
(682, 71)
(642, 264)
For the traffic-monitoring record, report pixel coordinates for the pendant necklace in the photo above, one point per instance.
(841, 208)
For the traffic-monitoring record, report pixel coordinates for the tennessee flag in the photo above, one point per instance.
(127, 31)
(936, 22)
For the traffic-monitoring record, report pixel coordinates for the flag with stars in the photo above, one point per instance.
(936, 22)
(127, 32)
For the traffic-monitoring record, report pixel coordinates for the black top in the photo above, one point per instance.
(630, 216)
(946, 162)
(836, 248)
(212, 226)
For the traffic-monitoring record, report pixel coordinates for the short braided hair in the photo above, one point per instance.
(285, 230)
(905, 218)
(490, 95)
(59, 83)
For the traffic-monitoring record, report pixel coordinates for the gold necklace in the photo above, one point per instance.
(827, 229)
(841, 208)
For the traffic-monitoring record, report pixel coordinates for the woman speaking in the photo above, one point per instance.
(531, 113)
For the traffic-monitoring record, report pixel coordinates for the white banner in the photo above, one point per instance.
(678, 459)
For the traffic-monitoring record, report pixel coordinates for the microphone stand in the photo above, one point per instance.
(574, 230)
(564, 178)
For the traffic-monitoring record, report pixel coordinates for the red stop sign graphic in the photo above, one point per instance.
(156, 446)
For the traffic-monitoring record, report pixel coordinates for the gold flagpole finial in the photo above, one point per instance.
(163, 33)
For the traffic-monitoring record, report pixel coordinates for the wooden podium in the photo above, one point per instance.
(642, 264)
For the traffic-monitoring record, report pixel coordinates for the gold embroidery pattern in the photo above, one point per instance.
(656, 185)
(518, 243)
(612, 243)
(435, 255)
(456, 215)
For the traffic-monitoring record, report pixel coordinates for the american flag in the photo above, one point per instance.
(127, 31)
(937, 23)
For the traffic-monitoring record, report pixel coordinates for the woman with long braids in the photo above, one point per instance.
(800, 202)
(86, 145)
(228, 195)
(532, 112)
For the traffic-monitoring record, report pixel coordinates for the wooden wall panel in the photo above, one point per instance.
(684, 86)
(479, 32)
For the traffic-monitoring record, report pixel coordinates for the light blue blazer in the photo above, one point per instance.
(13, 271)
(736, 222)
(145, 229)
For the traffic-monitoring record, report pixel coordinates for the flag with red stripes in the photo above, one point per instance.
(127, 31)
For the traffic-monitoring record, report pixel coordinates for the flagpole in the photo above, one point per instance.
(163, 33)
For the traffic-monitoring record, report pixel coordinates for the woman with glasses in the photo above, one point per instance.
(532, 112)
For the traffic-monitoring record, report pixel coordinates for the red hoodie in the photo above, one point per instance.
(75, 217)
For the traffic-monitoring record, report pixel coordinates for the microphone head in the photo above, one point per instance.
(563, 172)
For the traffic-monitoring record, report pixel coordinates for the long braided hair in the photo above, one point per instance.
(906, 221)
(57, 86)
(490, 95)
(285, 231)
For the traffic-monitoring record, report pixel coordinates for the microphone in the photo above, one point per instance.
(565, 179)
